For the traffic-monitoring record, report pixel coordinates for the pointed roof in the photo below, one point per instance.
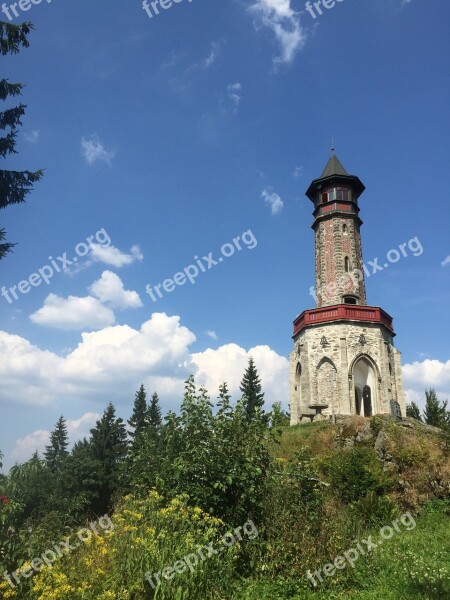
(334, 167)
(334, 172)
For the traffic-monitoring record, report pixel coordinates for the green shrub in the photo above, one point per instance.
(146, 538)
(354, 473)
(374, 510)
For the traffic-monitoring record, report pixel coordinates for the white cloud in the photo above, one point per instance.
(32, 137)
(109, 289)
(297, 172)
(279, 16)
(234, 95)
(212, 334)
(273, 200)
(93, 149)
(38, 440)
(229, 362)
(213, 55)
(110, 255)
(419, 376)
(111, 363)
(446, 261)
(73, 313)
(25, 447)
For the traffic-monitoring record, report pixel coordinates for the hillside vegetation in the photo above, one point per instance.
(228, 502)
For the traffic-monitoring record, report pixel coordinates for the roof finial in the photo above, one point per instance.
(332, 146)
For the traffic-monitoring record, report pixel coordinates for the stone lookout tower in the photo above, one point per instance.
(344, 361)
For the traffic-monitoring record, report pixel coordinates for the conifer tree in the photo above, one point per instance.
(435, 413)
(154, 413)
(413, 411)
(14, 185)
(109, 448)
(56, 452)
(139, 418)
(251, 389)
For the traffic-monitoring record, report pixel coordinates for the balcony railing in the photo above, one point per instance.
(343, 312)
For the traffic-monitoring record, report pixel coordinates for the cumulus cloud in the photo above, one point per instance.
(112, 362)
(273, 200)
(93, 150)
(109, 289)
(73, 313)
(229, 362)
(39, 439)
(418, 376)
(284, 22)
(212, 334)
(110, 255)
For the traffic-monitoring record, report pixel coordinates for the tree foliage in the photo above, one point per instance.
(413, 411)
(252, 395)
(14, 185)
(56, 452)
(435, 412)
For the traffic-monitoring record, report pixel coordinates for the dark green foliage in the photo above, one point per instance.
(139, 418)
(56, 452)
(13, 37)
(354, 473)
(154, 413)
(413, 411)
(220, 460)
(80, 478)
(14, 185)
(252, 395)
(109, 448)
(435, 412)
(373, 510)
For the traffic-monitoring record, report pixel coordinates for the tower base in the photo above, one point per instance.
(344, 363)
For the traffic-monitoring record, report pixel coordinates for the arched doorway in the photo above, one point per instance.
(364, 376)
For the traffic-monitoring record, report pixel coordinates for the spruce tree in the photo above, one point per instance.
(109, 448)
(56, 452)
(154, 413)
(413, 411)
(14, 185)
(251, 389)
(139, 418)
(435, 413)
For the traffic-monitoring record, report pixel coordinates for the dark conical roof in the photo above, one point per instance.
(334, 167)
(334, 172)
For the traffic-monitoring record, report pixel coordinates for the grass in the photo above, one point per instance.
(412, 565)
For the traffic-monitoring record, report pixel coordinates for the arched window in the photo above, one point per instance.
(346, 264)
(344, 229)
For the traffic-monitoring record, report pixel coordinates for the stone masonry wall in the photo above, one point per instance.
(329, 369)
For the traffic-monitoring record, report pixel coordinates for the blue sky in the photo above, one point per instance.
(170, 136)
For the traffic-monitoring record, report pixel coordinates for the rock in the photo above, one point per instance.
(381, 447)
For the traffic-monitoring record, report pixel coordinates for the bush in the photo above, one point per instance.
(354, 473)
(146, 538)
